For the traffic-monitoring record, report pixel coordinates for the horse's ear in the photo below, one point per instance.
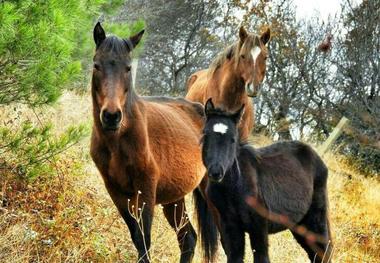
(265, 37)
(136, 38)
(99, 34)
(209, 106)
(237, 115)
(242, 34)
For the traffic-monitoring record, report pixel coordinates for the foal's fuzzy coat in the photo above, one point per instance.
(248, 185)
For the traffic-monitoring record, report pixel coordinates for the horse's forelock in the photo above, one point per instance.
(115, 45)
(251, 41)
(219, 113)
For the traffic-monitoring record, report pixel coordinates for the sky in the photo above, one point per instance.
(324, 8)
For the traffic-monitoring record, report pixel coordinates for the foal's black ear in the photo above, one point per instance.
(99, 34)
(136, 38)
(237, 115)
(265, 36)
(209, 106)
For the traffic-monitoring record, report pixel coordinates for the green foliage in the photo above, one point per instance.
(110, 6)
(124, 30)
(32, 151)
(35, 53)
(42, 46)
(45, 47)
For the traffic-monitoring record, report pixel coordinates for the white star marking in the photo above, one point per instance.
(255, 52)
(220, 128)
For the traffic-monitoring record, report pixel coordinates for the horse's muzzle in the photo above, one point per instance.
(111, 120)
(215, 173)
(251, 90)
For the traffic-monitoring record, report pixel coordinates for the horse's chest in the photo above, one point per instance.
(120, 173)
(232, 205)
(225, 200)
(117, 166)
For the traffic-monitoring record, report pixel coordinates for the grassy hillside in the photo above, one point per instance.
(70, 217)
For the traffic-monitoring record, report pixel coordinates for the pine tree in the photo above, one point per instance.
(44, 45)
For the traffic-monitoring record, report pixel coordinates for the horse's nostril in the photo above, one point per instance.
(216, 177)
(117, 116)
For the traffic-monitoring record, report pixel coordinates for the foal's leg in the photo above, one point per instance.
(259, 241)
(316, 221)
(233, 241)
(176, 215)
(138, 221)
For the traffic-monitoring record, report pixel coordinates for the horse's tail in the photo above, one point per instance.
(328, 219)
(322, 176)
(206, 227)
(329, 228)
(324, 173)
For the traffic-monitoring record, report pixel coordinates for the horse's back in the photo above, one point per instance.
(183, 116)
(196, 86)
(195, 109)
(287, 174)
(294, 154)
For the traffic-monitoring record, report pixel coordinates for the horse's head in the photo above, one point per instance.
(111, 77)
(251, 60)
(220, 140)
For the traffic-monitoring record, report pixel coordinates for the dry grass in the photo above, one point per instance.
(70, 218)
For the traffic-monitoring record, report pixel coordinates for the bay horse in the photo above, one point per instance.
(233, 77)
(248, 186)
(146, 148)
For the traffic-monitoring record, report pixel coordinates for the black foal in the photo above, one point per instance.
(248, 187)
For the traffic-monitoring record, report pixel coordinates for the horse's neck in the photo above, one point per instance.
(233, 176)
(134, 129)
(231, 89)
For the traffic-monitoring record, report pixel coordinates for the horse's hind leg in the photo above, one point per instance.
(177, 217)
(319, 246)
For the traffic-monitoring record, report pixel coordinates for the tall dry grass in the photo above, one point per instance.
(70, 217)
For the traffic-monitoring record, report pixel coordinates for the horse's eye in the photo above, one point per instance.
(232, 140)
(128, 68)
(96, 66)
(242, 56)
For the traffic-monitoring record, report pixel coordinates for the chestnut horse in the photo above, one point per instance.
(233, 77)
(146, 148)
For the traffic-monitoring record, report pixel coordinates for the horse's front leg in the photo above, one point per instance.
(137, 212)
(259, 242)
(232, 237)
